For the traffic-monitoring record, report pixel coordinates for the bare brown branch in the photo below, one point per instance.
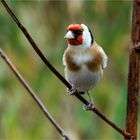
(134, 73)
(58, 75)
(32, 93)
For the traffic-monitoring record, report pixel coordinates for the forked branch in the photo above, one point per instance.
(32, 93)
(58, 75)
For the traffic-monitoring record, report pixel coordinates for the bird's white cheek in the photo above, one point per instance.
(86, 38)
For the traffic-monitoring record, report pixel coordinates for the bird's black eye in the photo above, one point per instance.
(78, 32)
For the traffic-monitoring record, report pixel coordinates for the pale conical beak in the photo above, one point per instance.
(69, 35)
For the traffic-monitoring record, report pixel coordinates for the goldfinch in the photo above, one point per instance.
(84, 60)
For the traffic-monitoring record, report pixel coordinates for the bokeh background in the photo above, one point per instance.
(46, 21)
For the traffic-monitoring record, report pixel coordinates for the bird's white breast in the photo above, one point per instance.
(82, 58)
(84, 79)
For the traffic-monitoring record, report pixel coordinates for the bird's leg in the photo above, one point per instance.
(90, 105)
(72, 90)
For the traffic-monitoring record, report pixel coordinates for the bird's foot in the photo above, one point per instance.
(90, 105)
(72, 90)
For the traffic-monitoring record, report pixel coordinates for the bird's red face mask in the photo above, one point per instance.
(74, 34)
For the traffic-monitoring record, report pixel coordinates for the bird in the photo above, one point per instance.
(84, 60)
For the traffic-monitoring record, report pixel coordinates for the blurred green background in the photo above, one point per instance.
(46, 21)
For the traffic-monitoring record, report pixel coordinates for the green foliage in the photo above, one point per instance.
(46, 21)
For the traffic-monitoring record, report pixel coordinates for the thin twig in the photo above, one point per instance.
(58, 75)
(32, 93)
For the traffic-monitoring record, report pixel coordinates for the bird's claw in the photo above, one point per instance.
(90, 106)
(72, 90)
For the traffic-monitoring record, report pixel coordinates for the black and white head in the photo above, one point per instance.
(79, 35)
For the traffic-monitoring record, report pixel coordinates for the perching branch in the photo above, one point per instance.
(134, 73)
(32, 93)
(58, 75)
